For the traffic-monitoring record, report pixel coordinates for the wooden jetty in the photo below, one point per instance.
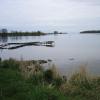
(19, 45)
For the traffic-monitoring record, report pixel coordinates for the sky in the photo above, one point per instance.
(50, 15)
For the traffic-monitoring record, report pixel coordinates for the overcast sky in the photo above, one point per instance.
(50, 15)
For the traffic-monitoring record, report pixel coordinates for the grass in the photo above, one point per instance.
(24, 80)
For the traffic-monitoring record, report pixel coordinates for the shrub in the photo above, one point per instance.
(48, 75)
(11, 63)
(58, 82)
(36, 79)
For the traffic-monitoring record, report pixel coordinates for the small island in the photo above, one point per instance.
(90, 31)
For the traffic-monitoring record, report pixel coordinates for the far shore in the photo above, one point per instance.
(90, 31)
(38, 33)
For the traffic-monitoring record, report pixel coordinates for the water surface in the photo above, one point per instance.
(70, 51)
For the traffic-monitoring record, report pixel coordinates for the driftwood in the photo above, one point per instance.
(19, 45)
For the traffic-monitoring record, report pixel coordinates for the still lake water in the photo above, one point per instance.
(70, 52)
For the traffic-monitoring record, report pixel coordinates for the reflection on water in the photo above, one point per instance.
(70, 51)
(3, 39)
(16, 38)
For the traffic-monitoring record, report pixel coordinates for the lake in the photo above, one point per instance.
(69, 53)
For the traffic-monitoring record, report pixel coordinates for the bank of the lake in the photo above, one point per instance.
(28, 80)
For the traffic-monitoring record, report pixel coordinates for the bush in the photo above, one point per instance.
(13, 64)
(58, 82)
(36, 79)
(48, 75)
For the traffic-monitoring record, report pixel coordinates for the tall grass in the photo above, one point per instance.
(81, 84)
(24, 80)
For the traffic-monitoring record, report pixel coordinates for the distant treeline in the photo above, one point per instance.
(91, 31)
(38, 33)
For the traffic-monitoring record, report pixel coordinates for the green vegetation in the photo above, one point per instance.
(91, 31)
(5, 33)
(26, 80)
(38, 33)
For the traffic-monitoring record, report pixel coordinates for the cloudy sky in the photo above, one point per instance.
(50, 15)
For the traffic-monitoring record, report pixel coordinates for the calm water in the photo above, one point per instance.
(70, 52)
